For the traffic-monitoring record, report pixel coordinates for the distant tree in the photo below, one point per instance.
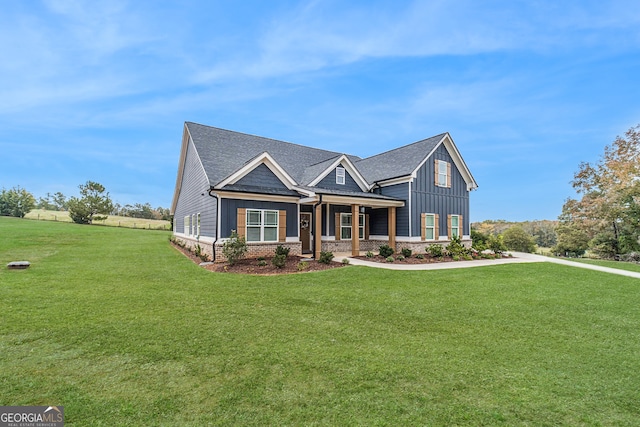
(93, 205)
(45, 203)
(543, 232)
(60, 201)
(16, 202)
(516, 239)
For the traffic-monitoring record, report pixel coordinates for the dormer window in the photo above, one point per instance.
(340, 175)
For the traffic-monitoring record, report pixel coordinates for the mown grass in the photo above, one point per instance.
(111, 221)
(121, 329)
(621, 265)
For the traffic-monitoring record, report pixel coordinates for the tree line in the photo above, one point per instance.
(93, 204)
(605, 218)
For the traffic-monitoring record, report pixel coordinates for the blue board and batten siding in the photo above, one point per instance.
(400, 192)
(427, 197)
(262, 176)
(194, 197)
(329, 182)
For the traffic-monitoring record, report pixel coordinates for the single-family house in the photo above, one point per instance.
(312, 200)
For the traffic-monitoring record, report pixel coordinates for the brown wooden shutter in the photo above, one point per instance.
(449, 226)
(337, 226)
(423, 226)
(436, 221)
(435, 169)
(448, 175)
(282, 226)
(241, 226)
(366, 227)
(460, 226)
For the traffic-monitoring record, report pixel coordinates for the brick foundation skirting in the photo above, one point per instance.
(255, 250)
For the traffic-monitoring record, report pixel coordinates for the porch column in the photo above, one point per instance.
(317, 233)
(355, 230)
(391, 225)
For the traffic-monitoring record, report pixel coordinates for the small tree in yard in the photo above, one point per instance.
(16, 202)
(94, 205)
(234, 248)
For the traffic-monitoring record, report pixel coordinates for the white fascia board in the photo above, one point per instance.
(361, 201)
(460, 163)
(266, 159)
(305, 192)
(457, 160)
(394, 181)
(307, 200)
(350, 167)
(186, 142)
(257, 196)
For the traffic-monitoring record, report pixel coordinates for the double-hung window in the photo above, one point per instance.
(443, 174)
(346, 223)
(430, 226)
(187, 226)
(198, 224)
(340, 175)
(455, 226)
(262, 225)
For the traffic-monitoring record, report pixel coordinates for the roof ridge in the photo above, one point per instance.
(265, 137)
(441, 135)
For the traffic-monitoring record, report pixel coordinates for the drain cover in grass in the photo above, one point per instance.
(18, 265)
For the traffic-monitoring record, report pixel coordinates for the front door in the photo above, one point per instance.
(305, 232)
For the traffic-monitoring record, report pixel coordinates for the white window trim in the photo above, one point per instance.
(360, 225)
(432, 227)
(198, 224)
(262, 224)
(440, 174)
(341, 175)
(187, 225)
(458, 228)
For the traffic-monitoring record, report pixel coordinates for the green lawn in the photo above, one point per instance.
(121, 329)
(629, 266)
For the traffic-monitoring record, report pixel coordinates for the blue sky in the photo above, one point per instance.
(100, 90)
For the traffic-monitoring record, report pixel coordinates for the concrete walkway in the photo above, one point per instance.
(518, 257)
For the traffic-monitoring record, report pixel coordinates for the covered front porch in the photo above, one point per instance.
(328, 222)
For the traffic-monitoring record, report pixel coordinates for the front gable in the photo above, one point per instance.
(331, 181)
(260, 163)
(447, 151)
(261, 176)
(354, 181)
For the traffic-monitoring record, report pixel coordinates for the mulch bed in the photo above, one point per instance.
(250, 265)
(413, 260)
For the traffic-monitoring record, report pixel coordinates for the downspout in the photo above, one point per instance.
(315, 232)
(215, 196)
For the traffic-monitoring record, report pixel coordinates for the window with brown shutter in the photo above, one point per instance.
(282, 226)
(241, 226)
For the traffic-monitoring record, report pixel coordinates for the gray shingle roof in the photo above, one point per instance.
(398, 162)
(223, 152)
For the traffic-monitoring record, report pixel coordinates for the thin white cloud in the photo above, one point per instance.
(318, 35)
